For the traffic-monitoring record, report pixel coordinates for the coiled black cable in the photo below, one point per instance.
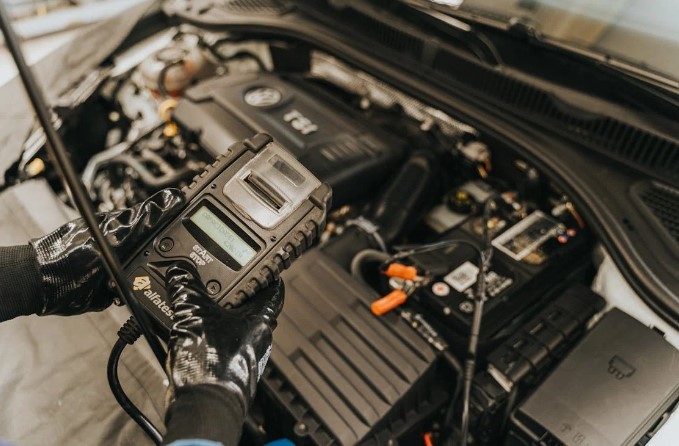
(128, 334)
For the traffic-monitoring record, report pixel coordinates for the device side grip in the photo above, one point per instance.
(290, 248)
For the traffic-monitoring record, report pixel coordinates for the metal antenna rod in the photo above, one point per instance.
(59, 155)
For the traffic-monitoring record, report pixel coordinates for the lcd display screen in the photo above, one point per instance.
(223, 235)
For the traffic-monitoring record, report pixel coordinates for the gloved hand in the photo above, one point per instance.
(72, 273)
(211, 345)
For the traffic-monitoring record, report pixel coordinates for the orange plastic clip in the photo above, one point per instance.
(428, 441)
(401, 271)
(389, 302)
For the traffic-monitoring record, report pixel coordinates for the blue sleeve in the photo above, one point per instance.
(196, 442)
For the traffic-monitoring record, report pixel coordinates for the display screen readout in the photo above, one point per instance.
(223, 235)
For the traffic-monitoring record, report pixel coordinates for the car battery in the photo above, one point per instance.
(532, 260)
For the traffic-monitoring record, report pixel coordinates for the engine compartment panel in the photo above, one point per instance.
(406, 176)
(320, 131)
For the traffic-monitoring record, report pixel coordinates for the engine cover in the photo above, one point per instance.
(324, 134)
(344, 375)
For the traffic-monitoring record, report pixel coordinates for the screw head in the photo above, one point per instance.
(301, 429)
(466, 307)
(213, 287)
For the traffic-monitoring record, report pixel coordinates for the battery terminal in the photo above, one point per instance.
(394, 299)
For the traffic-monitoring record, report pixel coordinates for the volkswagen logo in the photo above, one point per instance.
(263, 97)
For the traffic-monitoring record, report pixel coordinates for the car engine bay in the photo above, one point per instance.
(419, 197)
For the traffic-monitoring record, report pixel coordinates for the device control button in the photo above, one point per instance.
(213, 287)
(166, 244)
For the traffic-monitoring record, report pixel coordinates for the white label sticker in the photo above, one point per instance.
(527, 235)
(462, 277)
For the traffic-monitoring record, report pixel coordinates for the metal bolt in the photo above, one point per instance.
(301, 429)
(466, 307)
(447, 311)
(213, 287)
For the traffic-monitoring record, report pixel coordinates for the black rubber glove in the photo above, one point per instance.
(69, 263)
(216, 357)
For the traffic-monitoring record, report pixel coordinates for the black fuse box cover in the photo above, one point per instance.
(327, 136)
(607, 392)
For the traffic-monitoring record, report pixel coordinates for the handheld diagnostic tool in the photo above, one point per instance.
(248, 216)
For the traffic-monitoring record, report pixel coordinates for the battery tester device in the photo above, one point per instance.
(248, 216)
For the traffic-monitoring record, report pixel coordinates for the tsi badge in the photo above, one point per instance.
(142, 286)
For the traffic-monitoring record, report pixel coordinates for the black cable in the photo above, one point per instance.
(213, 48)
(455, 364)
(472, 350)
(60, 157)
(470, 367)
(511, 400)
(410, 250)
(128, 334)
(243, 54)
(465, 374)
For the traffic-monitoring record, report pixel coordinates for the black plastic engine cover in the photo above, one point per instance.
(344, 374)
(324, 134)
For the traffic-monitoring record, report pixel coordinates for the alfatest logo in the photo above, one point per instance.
(143, 283)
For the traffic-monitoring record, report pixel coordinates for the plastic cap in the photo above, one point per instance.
(401, 271)
(389, 302)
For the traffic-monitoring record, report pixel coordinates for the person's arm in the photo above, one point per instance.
(216, 357)
(20, 285)
(204, 412)
(62, 273)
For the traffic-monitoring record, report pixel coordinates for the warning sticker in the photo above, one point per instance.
(527, 235)
(462, 277)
